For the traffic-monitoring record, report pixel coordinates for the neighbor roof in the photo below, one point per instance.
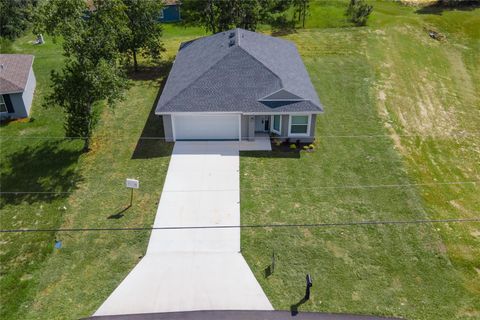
(14, 70)
(170, 2)
(238, 71)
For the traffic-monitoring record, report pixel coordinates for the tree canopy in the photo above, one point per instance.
(15, 17)
(92, 71)
(358, 12)
(143, 30)
(221, 15)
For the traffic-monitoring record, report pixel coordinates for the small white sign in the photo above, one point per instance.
(132, 183)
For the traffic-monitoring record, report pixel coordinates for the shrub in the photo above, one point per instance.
(358, 12)
(305, 148)
(282, 24)
(293, 146)
(311, 146)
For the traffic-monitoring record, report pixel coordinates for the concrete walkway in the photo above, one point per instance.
(193, 269)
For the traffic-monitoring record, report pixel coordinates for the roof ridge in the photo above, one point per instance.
(263, 64)
(197, 78)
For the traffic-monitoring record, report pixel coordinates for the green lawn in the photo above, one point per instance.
(386, 79)
(38, 281)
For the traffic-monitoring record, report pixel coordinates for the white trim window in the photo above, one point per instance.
(3, 105)
(299, 125)
(276, 121)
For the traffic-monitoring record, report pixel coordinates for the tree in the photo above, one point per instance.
(358, 12)
(92, 72)
(301, 10)
(78, 88)
(144, 31)
(15, 17)
(222, 15)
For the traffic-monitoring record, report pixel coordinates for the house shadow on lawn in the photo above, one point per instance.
(438, 7)
(151, 143)
(43, 172)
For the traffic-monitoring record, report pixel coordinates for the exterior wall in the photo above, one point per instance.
(28, 93)
(18, 107)
(284, 127)
(22, 101)
(306, 139)
(167, 127)
(247, 125)
(244, 127)
(171, 13)
(251, 128)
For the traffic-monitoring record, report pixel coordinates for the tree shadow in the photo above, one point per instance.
(158, 72)
(449, 5)
(42, 172)
(294, 307)
(151, 143)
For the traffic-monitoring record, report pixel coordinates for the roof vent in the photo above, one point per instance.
(231, 35)
(231, 43)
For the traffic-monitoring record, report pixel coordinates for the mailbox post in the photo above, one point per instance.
(132, 184)
(309, 285)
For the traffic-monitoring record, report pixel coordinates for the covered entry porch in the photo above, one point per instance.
(298, 126)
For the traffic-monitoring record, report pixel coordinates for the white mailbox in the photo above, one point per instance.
(132, 183)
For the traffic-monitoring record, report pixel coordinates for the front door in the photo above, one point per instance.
(262, 123)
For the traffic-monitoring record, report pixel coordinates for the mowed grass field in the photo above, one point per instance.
(409, 100)
(38, 281)
(401, 122)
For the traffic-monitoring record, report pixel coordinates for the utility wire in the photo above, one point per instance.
(246, 137)
(275, 188)
(309, 225)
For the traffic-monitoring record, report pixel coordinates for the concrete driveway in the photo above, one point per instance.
(193, 269)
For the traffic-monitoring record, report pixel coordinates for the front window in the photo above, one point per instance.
(3, 105)
(299, 125)
(276, 124)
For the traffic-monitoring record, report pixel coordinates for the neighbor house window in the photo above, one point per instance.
(3, 105)
(161, 14)
(277, 124)
(299, 125)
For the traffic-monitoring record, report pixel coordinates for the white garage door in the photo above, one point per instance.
(206, 127)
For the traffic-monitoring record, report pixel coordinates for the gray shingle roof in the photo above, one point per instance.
(231, 71)
(14, 70)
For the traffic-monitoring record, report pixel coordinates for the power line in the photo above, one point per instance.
(310, 225)
(246, 137)
(276, 188)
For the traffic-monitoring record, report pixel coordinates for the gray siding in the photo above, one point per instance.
(244, 127)
(251, 128)
(18, 106)
(313, 125)
(29, 91)
(167, 127)
(285, 124)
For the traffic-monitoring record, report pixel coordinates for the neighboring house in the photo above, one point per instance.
(234, 84)
(170, 11)
(17, 84)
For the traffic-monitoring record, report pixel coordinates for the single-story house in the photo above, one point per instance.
(235, 85)
(17, 84)
(170, 11)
